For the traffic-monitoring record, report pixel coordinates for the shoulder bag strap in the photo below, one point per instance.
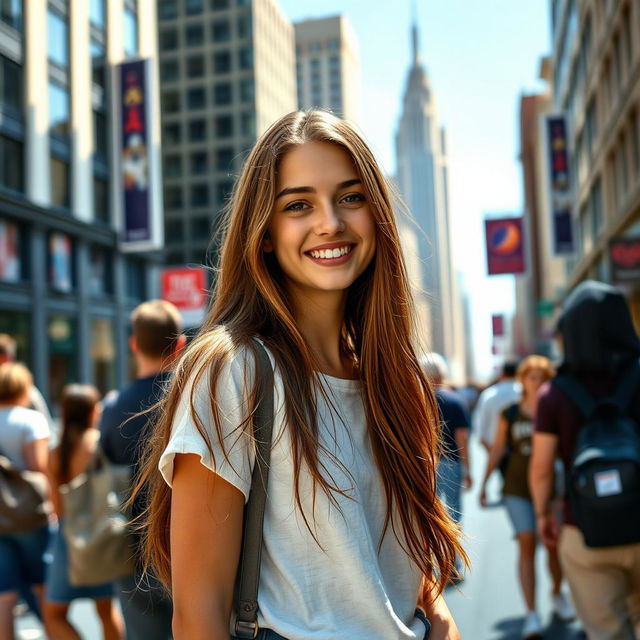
(628, 386)
(248, 575)
(576, 392)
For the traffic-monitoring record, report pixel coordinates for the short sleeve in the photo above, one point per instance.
(36, 427)
(233, 452)
(459, 415)
(545, 420)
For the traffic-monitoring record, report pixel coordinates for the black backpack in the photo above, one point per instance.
(603, 479)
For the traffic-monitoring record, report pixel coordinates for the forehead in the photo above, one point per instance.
(315, 164)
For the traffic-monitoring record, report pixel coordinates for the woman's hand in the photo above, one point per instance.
(443, 626)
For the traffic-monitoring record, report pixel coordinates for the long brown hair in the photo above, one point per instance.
(78, 405)
(250, 299)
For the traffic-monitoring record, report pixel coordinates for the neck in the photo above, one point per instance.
(146, 367)
(320, 320)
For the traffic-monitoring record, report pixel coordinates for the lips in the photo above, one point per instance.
(331, 254)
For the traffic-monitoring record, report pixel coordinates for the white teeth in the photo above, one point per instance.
(328, 254)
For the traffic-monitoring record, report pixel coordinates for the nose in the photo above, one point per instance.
(328, 220)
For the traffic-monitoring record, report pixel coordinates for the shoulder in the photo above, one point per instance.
(32, 421)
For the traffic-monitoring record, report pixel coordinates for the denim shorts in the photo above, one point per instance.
(22, 559)
(521, 513)
(267, 634)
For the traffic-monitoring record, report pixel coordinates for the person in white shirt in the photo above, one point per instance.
(492, 401)
(356, 544)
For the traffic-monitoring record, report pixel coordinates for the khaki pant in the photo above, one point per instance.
(605, 586)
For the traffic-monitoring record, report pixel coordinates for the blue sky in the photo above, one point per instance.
(480, 57)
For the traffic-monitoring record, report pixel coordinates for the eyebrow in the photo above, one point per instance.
(342, 185)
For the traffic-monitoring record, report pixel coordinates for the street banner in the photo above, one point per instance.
(60, 266)
(186, 288)
(140, 217)
(497, 324)
(505, 246)
(560, 191)
(625, 259)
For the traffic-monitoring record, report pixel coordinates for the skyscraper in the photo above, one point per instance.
(227, 72)
(423, 182)
(328, 66)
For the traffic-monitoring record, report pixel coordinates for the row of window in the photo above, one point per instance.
(198, 130)
(195, 34)
(201, 229)
(332, 44)
(195, 65)
(196, 97)
(168, 9)
(200, 163)
(200, 195)
(623, 164)
(590, 219)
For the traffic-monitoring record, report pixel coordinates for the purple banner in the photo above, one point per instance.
(505, 246)
(135, 152)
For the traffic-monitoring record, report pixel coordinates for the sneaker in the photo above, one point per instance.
(532, 627)
(562, 607)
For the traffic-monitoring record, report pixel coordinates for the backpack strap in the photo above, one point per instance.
(577, 393)
(248, 576)
(628, 385)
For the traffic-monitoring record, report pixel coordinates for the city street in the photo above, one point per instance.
(486, 606)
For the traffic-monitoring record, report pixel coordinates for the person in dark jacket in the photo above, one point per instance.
(600, 344)
(155, 342)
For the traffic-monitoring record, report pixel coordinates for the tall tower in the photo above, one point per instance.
(423, 182)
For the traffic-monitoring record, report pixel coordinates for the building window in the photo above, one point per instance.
(199, 163)
(173, 197)
(195, 66)
(167, 9)
(315, 47)
(173, 166)
(222, 93)
(245, 58)
(248, 124)
(11, 93)
(11, 13)
(200, 227)
(194, 35)
(57, 38)
(100, 136)
(333, 44)
(246, 90)
(217, 5)
(170, 102)
(224, 126)
(197, 130)
(196, 98)
(97, 64)
(61, 268)
(13, 258)
(97, 13)
(224, 159)
(199, 195)
(103, 354)
(172, 133)
(174, 231)
(130, 32)
(591, 125)
(169, 70)
(220, 31)
(136, 279)
(63, 355)
(223, 191)
(101, 200)
(193, 7)
(222, 62)
(11, 164)
(244, 26)
(58, 110)
(595, 203)
(60, 191)
(100, 272)
(169, 39)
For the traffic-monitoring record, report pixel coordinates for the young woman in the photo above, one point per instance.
(514, 433)
(78, 443)
(311, 266)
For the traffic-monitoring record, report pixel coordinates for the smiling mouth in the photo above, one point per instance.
(331, 254)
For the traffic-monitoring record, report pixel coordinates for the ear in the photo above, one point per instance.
(181, 342)
(267, 245)
(133, 344)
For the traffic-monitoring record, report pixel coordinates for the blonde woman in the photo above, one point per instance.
(514, 433)
(355, 539)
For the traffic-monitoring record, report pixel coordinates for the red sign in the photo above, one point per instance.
(625, 259)
(184, 287)
(505, 246)
(497, 323)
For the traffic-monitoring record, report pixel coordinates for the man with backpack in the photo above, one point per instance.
(589, 417)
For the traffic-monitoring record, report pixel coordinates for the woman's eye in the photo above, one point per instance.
(296, 206)
(352, 198)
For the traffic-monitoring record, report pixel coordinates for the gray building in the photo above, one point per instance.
(422, 179)
(65, 288)
(227, 72)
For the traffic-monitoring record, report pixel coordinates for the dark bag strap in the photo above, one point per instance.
(628, 386)
(577, 393)
(248, 575)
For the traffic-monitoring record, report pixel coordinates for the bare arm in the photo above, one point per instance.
(541, 479)
(462, 442)
(206, 532)
(54, 475)
(443, 626)
(495, 455)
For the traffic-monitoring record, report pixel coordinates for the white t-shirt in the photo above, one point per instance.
(490, 403)
(18, 426)
(344, 588)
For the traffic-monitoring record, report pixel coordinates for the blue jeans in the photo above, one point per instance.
(450, 486)
(267, 634)
(22, 559)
